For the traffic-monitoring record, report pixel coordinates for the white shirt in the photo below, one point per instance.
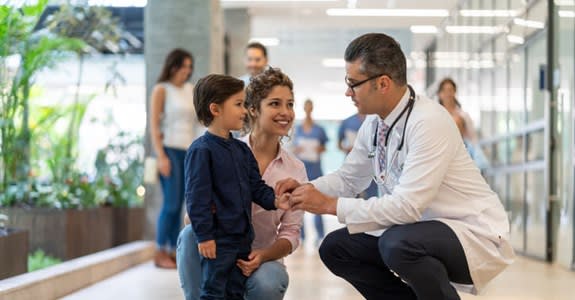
(432, 178)
(179, 122)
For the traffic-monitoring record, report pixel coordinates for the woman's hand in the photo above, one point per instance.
(164, 166)
(249, 266)
(208, 249)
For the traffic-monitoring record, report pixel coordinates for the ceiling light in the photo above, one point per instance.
(333, 62)
(474, 29)
(567, 14)
(278, 0)
(565, 2)
(529, 23)
(266, 41)
(423, 29)
(515, 39)
(372, 12)
(118, 3)
(451, 55)
(487, 13)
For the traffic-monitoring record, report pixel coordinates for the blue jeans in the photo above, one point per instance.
(169, 221)
(222, 279)
(269, 281)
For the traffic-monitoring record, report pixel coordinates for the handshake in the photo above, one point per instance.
(290, 194)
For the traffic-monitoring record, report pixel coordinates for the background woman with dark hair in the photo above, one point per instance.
(446, 93)
(173, 125)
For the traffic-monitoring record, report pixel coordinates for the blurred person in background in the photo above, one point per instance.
(309, 144)
(173, 126)
(346, 136)
(256, 61)
(447, 97)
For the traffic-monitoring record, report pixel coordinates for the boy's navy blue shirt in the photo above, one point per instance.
(222, 179)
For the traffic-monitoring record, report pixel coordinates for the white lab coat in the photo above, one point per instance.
(433, 178)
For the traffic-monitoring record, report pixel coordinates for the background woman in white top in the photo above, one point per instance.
(173, 127)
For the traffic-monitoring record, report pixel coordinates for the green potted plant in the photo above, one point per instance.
(49, 209)
(14, 249)
(119, 172)
(24, 52)
(61, 206)
(65, 210)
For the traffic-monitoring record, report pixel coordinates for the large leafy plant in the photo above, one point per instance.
(30, 52)
(101, 32)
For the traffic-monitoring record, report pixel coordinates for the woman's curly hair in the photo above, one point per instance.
(259, 88)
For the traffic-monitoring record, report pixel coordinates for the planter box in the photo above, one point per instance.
(128, 224)
(13, 253)
(65, 234)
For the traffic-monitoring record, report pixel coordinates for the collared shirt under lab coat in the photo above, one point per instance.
(432, 178)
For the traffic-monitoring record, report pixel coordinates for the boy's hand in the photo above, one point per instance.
(208, 249)
(283, 201)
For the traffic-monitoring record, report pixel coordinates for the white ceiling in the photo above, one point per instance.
(307, 35)
(312, 14)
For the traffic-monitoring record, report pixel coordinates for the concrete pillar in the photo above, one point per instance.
(194, 25)
(237, 24)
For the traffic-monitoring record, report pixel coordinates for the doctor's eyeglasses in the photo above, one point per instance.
(352, 86)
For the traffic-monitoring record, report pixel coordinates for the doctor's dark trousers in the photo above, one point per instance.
(413, 261)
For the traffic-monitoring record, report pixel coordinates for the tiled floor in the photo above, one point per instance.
(524, 280)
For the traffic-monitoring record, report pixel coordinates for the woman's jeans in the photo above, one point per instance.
(169, 221)
(269, 281)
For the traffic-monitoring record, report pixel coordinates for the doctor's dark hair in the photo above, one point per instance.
(216, 89)
(378, 53)
(259, 88)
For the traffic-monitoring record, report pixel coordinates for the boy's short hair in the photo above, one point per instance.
(216, 89)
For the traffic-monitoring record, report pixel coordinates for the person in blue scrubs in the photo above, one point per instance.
(310, 140)
(346, 138)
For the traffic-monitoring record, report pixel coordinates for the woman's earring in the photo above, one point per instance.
(252, 112)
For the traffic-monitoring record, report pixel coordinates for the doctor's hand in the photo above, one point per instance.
(283, 201)
(286, 185)
(308, 198)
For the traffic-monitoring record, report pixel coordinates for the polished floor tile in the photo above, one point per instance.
(525, 280)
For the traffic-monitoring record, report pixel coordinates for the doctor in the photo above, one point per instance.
(438, 224)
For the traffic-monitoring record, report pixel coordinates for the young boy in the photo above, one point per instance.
(222, 179)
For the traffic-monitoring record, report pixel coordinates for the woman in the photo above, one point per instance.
(446, 93)
(173, 126)
(269, 100)
(310, 140)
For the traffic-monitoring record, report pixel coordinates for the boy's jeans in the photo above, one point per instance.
(269, 281)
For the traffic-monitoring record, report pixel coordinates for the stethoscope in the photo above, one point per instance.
(408, 108)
